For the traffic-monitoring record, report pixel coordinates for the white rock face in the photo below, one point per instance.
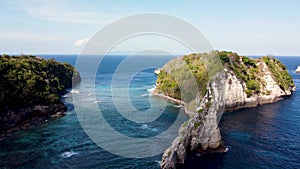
(236, 96)
(272, 86)
(298, 69)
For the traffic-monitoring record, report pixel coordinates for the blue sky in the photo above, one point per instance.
(254, 27)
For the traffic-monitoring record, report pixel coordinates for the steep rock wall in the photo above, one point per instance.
(236, 97)
(201, 132)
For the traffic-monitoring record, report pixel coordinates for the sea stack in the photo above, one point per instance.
(298, 69)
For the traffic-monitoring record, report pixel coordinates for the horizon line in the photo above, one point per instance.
(119, 54)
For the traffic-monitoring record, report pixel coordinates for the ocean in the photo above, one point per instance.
(262, 137)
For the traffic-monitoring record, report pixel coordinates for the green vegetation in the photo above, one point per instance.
(224, 56)
(207, 104)
(29, 80)
(245, 69)
(176, 77)
(168, 85)
(181, 76)
(196, 65)
(186, 73)
(196, 125)
(200, 110)
(169, 153)
(279, 73)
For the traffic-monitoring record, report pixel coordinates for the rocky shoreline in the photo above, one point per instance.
(25, 118)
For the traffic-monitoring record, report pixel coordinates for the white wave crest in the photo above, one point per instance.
(73, 91)
(145, 126)
(151, 89)
(226, 149)
(64, 96)
(157, 161)
(178, 106)
(68, 154)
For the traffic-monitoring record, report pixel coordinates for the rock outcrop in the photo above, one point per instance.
(28, 117)
(244, 83)
(200, 133)
(297, 70)
(235, 90)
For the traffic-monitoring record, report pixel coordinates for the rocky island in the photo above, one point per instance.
(30, 91)
(240, 82)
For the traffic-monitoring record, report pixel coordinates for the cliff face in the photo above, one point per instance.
(244, 83)
(270, 91)
(201, 132)
(30, 91)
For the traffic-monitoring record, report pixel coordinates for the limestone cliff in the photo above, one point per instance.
(273, 83)
(244, 83)
(200, 133)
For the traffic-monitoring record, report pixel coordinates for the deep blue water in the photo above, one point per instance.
(264, 137)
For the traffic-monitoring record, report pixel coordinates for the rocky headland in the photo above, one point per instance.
(30, 91)
(240, 82)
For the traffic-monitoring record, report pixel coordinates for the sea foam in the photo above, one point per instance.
(151, 89)
(68, 154)
(73, 91)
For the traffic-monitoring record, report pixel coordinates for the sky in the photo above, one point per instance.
(249, 27)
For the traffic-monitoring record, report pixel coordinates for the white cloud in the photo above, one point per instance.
(60, 11)
(17, 42)
(27, 37)
(81, 42)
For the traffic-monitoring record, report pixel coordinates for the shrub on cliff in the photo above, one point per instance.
(279, 73)
(175, 71)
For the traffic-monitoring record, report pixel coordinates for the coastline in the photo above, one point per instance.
(29, 117)
(253, 105)
(176, 101)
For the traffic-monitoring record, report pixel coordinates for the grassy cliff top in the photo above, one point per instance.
(251, 71)
(246, 69)
(28, 80)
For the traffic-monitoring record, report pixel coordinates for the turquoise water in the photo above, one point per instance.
(262, 137)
